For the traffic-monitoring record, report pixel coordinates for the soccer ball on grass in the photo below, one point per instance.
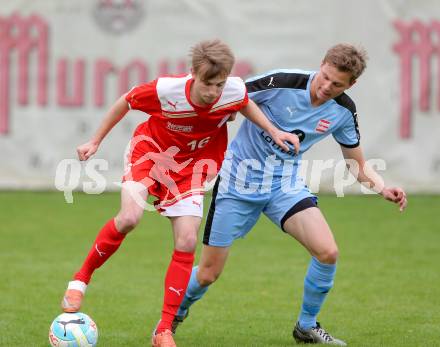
(73, 330)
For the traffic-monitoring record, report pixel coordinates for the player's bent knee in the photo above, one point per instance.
(187, 242)
(127, 221)
(329, 256)
(207, 276)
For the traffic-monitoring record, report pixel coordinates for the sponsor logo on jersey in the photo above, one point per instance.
(272, 143)
(180, 128)
(291, 110)
(270, 84)
(322, 126)
(174, 105)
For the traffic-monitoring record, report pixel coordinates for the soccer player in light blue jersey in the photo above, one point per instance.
(258, 176)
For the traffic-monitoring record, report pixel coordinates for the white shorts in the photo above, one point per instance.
(190, 206)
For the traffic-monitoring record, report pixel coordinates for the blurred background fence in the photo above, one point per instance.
(63, 63)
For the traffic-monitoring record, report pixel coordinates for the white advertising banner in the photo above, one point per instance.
(63, 63)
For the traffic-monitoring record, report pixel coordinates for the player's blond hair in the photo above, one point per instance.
(212, 58)
(347, 58)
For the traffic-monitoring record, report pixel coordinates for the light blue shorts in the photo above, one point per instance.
(232, 215)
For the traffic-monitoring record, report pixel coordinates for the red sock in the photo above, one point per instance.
(176, 281)
(107, 242)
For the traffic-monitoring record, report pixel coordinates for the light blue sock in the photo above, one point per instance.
(194, 292)
(318, 282)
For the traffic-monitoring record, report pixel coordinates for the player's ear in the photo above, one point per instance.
(352, 82)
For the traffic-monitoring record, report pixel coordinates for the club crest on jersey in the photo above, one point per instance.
(322, 126)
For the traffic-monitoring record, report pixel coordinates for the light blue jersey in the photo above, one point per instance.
(284, 97)
(257, 176)
(253, 176)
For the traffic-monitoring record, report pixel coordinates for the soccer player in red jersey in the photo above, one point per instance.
(171, 156)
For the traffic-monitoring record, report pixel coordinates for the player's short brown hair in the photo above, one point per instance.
(212, 58)
(347, 58)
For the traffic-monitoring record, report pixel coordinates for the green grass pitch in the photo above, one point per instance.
(387, 288)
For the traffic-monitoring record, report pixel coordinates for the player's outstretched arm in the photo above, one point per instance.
(252, 112)
(367, 176)
(113, 116)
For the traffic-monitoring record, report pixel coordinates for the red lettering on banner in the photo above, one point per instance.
(415, 41)
(29, 37)
(164, 68)
(242, 69)
(24, 35)
(77, 91)
(102, 68)
(136, 68)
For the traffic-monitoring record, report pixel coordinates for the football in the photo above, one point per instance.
(73, 330)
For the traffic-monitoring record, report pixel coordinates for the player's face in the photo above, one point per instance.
(329, 82)
(206, 92)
